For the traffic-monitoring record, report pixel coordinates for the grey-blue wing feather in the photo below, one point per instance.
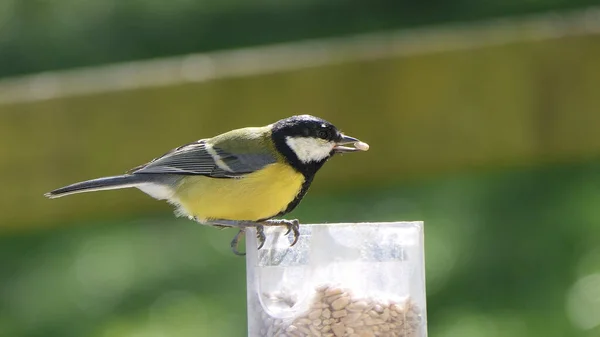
(196, 159)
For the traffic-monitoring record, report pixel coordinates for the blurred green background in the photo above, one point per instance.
(485, 129)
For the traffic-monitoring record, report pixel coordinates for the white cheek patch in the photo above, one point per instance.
(309, 149)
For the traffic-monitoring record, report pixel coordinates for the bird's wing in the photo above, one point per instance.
(202, 158)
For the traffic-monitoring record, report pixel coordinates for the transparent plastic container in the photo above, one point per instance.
(359, 280)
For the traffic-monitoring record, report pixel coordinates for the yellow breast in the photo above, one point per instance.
(259, 195)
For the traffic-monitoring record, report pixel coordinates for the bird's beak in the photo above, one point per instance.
(358, 145)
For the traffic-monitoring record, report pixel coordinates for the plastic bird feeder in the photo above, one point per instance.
(364, 279)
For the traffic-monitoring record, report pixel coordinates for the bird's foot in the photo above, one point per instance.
(260, 238)
(242, 225)
(292, 226)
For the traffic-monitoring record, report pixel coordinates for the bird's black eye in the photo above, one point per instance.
(323, 134)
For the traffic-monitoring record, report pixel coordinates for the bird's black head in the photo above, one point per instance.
(307, 142)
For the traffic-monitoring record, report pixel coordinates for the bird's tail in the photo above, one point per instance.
(107, 183)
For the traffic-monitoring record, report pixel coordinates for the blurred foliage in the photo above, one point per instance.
(40, 35)
(509, 254)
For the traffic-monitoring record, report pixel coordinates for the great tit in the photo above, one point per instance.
(241, 178)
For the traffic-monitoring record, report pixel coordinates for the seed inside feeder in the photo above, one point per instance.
(335, 312)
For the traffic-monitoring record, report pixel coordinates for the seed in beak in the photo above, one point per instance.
(361, 146)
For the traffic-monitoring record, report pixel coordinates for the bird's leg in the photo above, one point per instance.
(292, 226)
(242, 225)
(218, 226)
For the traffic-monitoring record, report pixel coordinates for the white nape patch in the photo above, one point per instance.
(160, 192)
(220, 163)
(309, 149)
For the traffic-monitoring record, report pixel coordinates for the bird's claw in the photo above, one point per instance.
(235, 242)
(260, 236)
(292, 226)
